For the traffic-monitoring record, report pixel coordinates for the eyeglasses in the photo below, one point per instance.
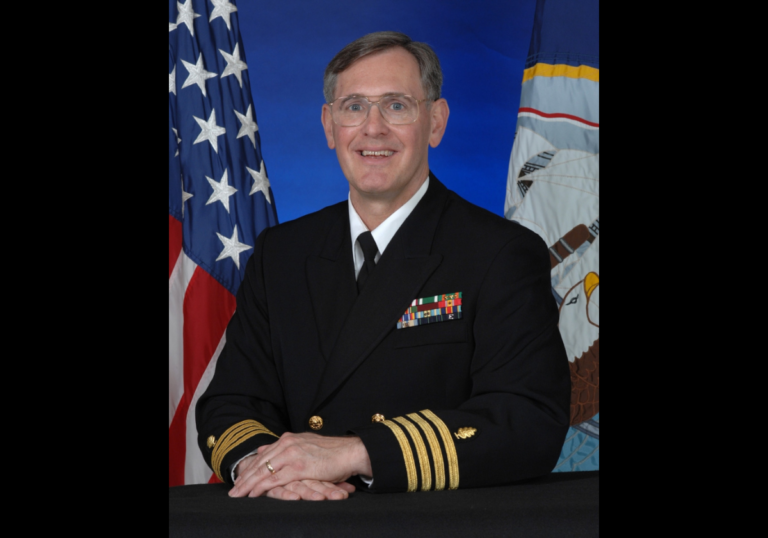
(395, 108)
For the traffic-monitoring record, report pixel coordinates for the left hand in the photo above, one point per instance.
(300, 457)
(311, 490)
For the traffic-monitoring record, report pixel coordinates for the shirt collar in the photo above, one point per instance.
(385, 231)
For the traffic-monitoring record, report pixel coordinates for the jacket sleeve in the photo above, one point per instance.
(231, 420)
(513, 425)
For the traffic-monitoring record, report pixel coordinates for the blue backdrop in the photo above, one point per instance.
(482, 48)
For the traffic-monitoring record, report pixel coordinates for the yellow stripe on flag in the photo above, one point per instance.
(562, 70)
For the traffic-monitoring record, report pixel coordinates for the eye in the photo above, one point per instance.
(397, 104)
(353, 105)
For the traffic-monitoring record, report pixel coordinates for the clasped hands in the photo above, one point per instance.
(306, 466)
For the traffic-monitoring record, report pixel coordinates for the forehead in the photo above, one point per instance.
(391, 71)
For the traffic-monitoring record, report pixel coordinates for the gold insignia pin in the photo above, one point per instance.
(211, 441)
(465, 433)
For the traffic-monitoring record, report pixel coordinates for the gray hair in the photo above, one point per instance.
(429, 65)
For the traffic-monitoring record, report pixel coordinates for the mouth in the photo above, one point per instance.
(379, 154)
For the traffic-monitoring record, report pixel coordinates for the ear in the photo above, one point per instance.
(438, 114)
(327, 120)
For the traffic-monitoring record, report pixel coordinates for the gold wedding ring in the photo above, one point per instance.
(271, 470)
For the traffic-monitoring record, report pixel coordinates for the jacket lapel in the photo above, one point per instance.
(400, 273)
(331, 280)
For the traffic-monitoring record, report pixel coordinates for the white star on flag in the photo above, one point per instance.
(223, 9)
(234, 64)
(249, 125)
(184, 196)
(221, 191)
(186, 15)
(171, 27)
(172, 81)
(260, 182)
(209, 130)
(178, 140)
(197, 74)
(232, 247)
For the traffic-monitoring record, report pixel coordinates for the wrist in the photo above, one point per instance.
(361, 460)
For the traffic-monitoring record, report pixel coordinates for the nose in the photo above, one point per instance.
(375, 123)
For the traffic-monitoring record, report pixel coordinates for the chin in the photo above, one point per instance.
(374, 182)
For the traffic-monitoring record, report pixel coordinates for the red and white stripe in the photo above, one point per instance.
(199, 309)
(557, 116)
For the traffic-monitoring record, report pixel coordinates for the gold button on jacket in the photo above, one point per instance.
(315, 422)
(378, 417)
(211, 441)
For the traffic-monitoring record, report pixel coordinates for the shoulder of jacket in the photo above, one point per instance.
(310, 224)
(464, 211)
(300, 234)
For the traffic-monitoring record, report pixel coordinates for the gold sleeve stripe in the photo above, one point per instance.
(410, 463)
(231, 442)
(450, 448)
(232, 432)
(233, 436)
(437, 454)
(421, 451)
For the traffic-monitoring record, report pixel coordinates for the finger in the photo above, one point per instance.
(257, 469)
(258, 479)
(247, 467)
(267, 453)
(262, 486)
(283, 494)
(349, 488)
(260, 482)
(307, 493)
(327, 489)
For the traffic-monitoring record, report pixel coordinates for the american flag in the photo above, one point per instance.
(219, 200)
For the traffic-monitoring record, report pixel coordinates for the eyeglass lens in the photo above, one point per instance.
(396, 109)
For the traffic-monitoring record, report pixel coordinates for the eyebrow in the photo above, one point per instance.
(388, 94)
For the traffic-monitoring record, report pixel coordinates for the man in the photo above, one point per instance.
(403, 340)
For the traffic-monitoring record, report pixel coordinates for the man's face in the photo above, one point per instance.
(396, 176)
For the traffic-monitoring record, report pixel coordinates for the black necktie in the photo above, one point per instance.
(370, 249)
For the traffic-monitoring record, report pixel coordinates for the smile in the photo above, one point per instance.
(385, 153)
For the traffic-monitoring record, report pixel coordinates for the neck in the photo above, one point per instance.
(374, 210)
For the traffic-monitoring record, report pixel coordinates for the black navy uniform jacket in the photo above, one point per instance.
(480, 399)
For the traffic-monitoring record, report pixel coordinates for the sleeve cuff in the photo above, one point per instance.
(231, 445)
(412, 452)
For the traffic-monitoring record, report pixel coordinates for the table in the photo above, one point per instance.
(559, 504)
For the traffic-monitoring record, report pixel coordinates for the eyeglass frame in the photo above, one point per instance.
(371, 103)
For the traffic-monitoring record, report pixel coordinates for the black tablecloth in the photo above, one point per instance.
(560, 504)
